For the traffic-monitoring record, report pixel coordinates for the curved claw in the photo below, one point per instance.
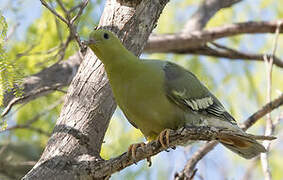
(165, 133)
(132, 150)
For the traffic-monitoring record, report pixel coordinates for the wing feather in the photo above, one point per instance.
(185, 90)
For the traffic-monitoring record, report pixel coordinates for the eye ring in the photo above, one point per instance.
(106, 36)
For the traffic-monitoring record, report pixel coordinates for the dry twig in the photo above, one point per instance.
(31, 95)
(70, 22)
(269, 129)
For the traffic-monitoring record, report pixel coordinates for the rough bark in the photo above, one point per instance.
(89, 104)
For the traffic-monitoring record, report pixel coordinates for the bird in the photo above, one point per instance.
(158, 96)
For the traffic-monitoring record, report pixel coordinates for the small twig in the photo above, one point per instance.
(53, 11)
(198, 155)
(62, 6)
(69, 22)
(229, 53)
(74, 8)
(82, 6)
(73, 27)
(32, 94)
(262, 112)
(269, 124)
(59, 32)
(63, 48)
(12, 31)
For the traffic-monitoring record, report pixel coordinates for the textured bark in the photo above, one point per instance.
(89, 104)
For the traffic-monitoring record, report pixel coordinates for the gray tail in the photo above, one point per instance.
(243, 145)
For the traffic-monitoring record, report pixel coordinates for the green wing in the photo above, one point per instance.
(185, 90)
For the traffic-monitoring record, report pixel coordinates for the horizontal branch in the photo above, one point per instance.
(178, 42)
(181, 136)
(229, 53)
(48, 80)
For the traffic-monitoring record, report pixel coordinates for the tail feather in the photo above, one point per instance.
(243, 145)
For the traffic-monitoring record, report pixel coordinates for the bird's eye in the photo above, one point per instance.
(106, 36)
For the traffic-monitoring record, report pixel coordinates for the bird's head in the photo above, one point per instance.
(104, 43)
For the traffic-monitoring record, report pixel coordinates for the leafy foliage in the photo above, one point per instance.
(9, 71)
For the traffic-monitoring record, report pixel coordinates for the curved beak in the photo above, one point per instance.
(91, 41)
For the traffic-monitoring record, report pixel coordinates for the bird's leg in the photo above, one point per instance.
(165, 133)
(132, 150)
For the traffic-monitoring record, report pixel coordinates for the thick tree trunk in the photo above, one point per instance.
(89, 105)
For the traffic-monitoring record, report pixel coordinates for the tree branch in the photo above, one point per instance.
(69, 22)
(269, 128)
(229, 53)
(191, 164)
(206, 10)
(99, 169)
(52, 78)
(53, 11)
(181, 42)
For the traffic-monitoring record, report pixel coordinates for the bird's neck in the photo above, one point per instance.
(121, 65)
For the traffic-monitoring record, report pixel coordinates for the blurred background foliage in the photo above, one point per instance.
(34, 37)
